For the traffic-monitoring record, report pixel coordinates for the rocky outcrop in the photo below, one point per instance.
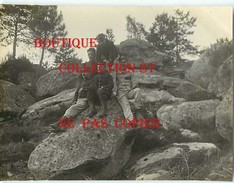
(175, 86)
(39, 70)
(27, 81)
(82, 153)
(48, 110)
(198, 116)
(201, 72)
(74, 152)
(139, 51)
(13, 99)
(183, 89)
(157, 99)
(54, 82)
(212, 72)
(189, 115)
(222, 80)
(223, 117)
(159, 163)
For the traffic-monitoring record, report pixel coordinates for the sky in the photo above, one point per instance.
(88, 21)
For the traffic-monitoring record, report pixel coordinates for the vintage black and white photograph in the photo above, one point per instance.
(116, 92)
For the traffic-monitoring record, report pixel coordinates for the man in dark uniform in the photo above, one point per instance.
(102, 89)
(106, 50)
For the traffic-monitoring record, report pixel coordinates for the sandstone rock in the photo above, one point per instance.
(96, 153)
(184, 89)
(155, 164)
(48, 110)
(82, 153)
(139, 51)
(27, 81)
(54, 82)
(201, 72)
(147, 139)
(223, 117)
(176, 87)
(13, 99)
(190, 136)
(222, 81)
(158, 175)
(157, 98)
(39, 70)
(189, 115)
(196, 116)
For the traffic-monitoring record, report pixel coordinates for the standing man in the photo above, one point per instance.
(127, 89)
(80, 102)
(107, 52)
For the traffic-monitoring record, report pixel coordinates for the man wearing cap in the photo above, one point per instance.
(107, 52)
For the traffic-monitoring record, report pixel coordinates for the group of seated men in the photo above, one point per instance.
(93, 86)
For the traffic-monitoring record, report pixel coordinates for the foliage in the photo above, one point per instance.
(162, 33)
(169, 34)
(65, 54)
(46, 22)
(135, 29)
(13, 24)
(12, 67)
(219, 51)
(110, 35)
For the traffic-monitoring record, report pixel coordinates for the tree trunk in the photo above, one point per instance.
(177, 54)
(15, 40)
(42, 55)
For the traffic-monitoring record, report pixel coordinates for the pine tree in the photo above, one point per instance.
(66, 55)
(13, 24)
(135, 29)
(46, 22)
(170, 34)
(183, 23)
(162, 33)
(109, 34)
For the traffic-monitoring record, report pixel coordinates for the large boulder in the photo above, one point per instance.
(201, 72)
(204, 70)
(198, 116)
(184, 89)
(179, 157)
(223, 117)
(81, 153)
(39, 70)
(27, 81)
(48, 110)
(175, 86)
(139, 51)
(147, 139)
(157, 98)
(13, 99)
(222, 81)
(54, 82)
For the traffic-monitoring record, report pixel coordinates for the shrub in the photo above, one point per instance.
(10, 69)
(219, 52)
